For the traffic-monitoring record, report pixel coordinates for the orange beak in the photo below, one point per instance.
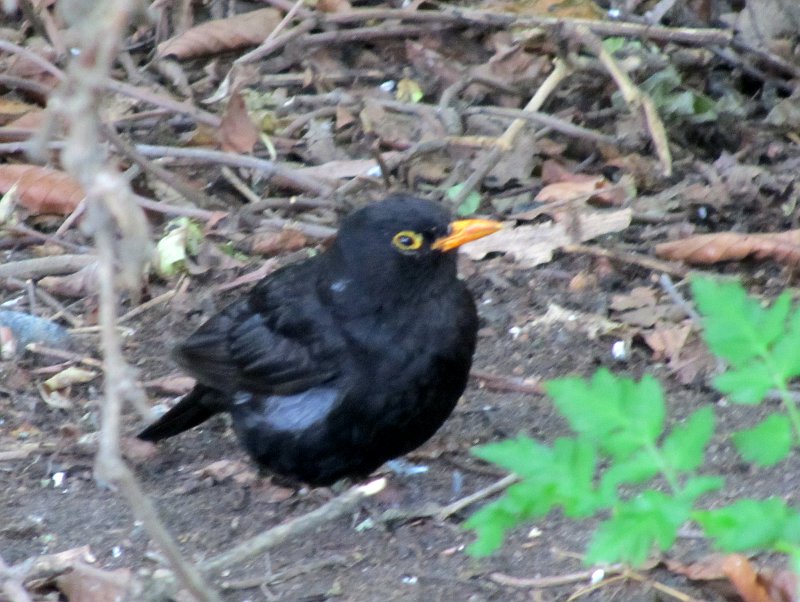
(465, 230)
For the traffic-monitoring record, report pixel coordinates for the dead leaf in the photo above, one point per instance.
(592, 324)
(237, 132)
(534, 245)
(745, 579)
(222, 470)
(41, 189)
(176, 384)
(137, 451)
(274, 243)
(705, 249)
(78, 284)
(11, 110)
(667, 341)
(211, 37)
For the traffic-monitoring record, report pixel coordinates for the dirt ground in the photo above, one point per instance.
(359, 557)
(733, 172)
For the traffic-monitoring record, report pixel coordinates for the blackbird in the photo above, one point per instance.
(331, 366)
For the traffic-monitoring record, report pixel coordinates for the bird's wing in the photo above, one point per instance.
(241, 349)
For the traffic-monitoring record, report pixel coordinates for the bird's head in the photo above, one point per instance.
(401, 246)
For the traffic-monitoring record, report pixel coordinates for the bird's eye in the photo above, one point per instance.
(407, 240)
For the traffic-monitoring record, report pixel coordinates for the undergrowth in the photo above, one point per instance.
(644, 480)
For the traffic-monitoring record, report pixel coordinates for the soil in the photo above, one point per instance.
(358, 557)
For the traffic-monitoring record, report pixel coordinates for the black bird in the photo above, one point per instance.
(334, 365)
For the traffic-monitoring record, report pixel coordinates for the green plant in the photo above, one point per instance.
(643, 480)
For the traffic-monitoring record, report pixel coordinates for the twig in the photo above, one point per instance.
(121, 237)
(163, 298)
(329, 511)
(161, 207)
(274, 41)
(640, 260)
(45, 266)
(633, 96)
(448, 13)
(460, 504)
(63, 354)
(514, 384)
(441, 513)
(545, 120)
(267, 168)
(669, 287)
(555, 581)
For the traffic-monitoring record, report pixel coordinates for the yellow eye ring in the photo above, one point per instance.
(407, 240)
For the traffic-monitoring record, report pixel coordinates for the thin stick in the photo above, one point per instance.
(329, 511)
(640, 260)
(45, 266)
(268, 168)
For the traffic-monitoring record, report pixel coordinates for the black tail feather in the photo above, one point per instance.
(195, 408)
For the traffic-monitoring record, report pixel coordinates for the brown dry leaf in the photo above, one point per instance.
(248, 29)
(640, 308)
(333, 6)
(13, 109)
(273, 243)
(85, 583)
(401, 130)
(222, 470)
(237, 132)
(41, 189)
(533, 245)
(176, 384)
(667, 341)
(705, 249)
(746, 580)
(78, 284)
(137, 451)
(511, 65)
(573, 189)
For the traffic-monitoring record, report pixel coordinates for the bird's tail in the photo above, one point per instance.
(200, 404)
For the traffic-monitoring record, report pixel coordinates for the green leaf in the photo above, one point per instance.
(684, 448)
(650, 520)
(697, 486)
(747, 524)
(785, 358)
(767, 443)
(469, 205)
(731, 320)
(182, 238)
(639, 468)
(748, 384)
(522, 456)
(618, 413)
